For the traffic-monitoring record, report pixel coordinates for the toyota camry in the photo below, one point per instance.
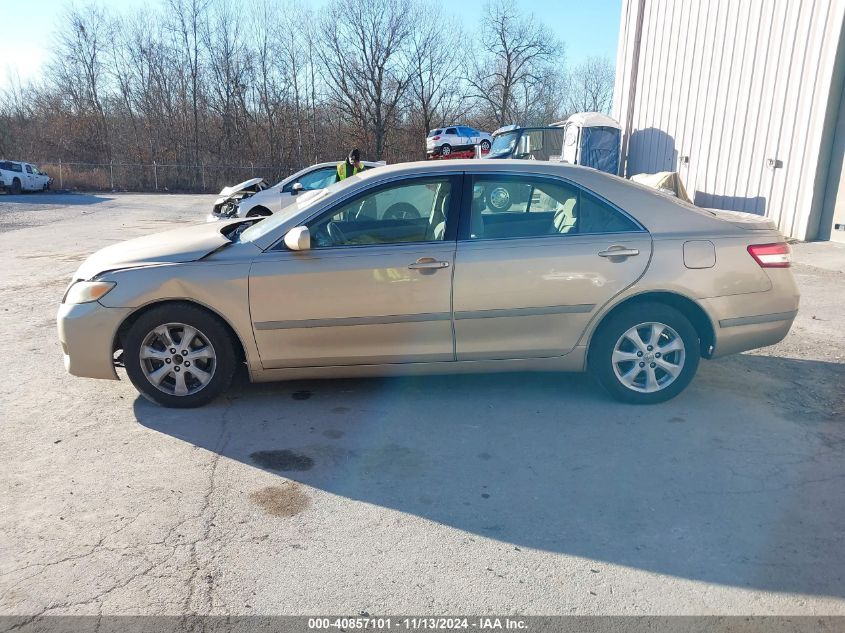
(458, 266)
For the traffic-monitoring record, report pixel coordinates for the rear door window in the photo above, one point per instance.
(528, 207)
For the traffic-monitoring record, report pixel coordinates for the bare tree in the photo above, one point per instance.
(437, 91)
(271, 77)
(589, 86)
(517, 56)
(202, 82)
(229, 65)
(365, 60)
(79, 67)
(187, 18)
(293, 38)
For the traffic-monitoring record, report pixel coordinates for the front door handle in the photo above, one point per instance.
(619, 251)
(428, 263)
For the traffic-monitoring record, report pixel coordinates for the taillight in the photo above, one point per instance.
(771, 255)
(436, 138)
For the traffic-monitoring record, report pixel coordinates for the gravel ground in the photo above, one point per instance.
(531, 494)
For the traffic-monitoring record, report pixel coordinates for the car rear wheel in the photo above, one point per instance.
(179, 356)
(646, 353)
(445, 150)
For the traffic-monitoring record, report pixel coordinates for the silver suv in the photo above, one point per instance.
(456, 138)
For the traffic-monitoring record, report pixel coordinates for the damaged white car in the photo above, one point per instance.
(255, 197)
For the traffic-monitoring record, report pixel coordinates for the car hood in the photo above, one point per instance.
(185, 244)
(228, 191)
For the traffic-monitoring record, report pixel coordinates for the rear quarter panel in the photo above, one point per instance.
(735, 286)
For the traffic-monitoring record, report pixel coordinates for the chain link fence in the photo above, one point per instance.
(164, 177)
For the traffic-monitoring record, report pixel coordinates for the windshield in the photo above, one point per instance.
(303, 201)
(503, 144)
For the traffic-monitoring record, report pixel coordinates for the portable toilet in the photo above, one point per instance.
(592, 139)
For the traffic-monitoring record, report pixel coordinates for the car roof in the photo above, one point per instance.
(660, 214)
(368, 163)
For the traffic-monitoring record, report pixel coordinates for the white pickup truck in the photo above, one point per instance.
(16, 177)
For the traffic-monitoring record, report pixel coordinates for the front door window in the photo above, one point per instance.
(396, 214)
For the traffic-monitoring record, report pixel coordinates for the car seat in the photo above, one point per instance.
(565, 218)
(437, 221)
(476, 219)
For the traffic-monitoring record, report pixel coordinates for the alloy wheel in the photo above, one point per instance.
(177, 359)
(648, 357)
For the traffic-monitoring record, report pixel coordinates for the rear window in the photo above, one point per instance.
(435, 132)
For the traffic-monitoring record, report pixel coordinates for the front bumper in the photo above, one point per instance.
(86, 332)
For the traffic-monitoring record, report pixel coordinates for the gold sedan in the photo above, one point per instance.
(465, 266)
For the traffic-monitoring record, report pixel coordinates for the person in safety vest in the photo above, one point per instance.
(351, 166)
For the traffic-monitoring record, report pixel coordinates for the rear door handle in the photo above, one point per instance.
(619, 251)
(428, 263)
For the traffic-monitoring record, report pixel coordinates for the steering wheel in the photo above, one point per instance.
(337, 236)
(401, 211)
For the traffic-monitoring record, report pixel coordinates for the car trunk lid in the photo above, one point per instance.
(748, 221)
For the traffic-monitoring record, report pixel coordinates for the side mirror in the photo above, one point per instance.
(298, 239)
(296, 188)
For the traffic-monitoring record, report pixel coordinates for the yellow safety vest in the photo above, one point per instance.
(342, 170)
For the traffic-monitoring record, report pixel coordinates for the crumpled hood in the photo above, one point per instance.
(228, 191)
(185, 244)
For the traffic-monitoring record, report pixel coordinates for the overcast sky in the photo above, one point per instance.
(589, 27)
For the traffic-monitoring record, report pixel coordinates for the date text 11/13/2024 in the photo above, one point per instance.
(417, 623)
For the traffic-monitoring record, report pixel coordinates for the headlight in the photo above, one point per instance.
(87, 291)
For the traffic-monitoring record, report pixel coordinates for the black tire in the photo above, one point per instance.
(16, 187)
(259, 212)
(485, 146)
(610, 334)
(209, 327)
(446, 149)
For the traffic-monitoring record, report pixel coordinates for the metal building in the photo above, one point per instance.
(744, 98)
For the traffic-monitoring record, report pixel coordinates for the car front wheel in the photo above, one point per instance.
(645, 354)
(179, 356)
(485, 146)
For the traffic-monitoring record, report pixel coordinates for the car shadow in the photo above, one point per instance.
(738, 481)
(64, 198)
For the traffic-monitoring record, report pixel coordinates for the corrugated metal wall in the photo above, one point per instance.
(733, 95)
